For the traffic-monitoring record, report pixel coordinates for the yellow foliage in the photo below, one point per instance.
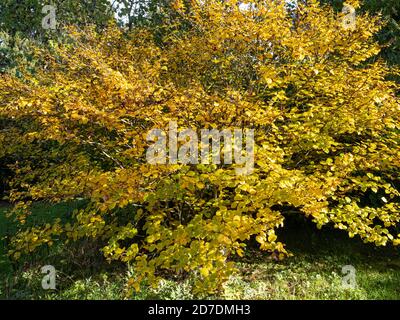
(326, 122)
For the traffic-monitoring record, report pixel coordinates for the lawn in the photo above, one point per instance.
(313, 272)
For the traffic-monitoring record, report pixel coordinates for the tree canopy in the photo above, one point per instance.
(325, 117)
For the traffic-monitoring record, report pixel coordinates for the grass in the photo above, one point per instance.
(313, 272)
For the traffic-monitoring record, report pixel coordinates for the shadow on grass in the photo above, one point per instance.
(315, 269)
(313, 272)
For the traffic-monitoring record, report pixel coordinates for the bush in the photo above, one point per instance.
(325, 120)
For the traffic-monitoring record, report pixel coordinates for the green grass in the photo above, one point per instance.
(313, 272)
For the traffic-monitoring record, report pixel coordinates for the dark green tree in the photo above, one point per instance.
(21, 22)
(25, 16)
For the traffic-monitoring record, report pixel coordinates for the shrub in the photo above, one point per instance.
(326, 135)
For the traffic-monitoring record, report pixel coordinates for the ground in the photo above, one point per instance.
(313, 272)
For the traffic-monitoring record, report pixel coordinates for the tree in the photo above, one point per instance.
(325, 121)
